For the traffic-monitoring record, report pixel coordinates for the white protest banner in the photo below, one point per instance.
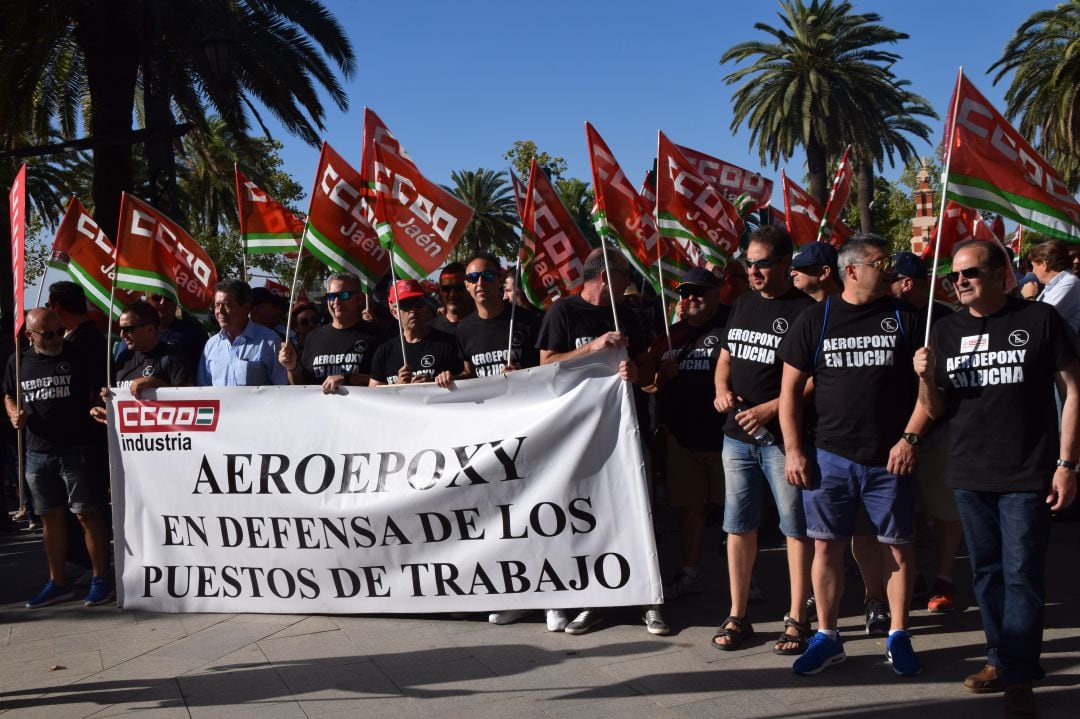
(519, 492)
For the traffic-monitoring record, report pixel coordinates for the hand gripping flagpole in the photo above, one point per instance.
(950, 132)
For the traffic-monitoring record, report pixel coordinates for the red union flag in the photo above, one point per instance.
(17, 206)
(84, 252)
(838, 196)
(553, 245)
(620, 213)
(991, 167)
(690, 207)
(156, 256)
(377, 133)
(676, 254)
(731, 180)
(266, 225)
(338, 231)
(422, 221)
(803, 214)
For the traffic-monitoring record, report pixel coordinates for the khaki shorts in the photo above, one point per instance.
(935, 498)
(694, 477)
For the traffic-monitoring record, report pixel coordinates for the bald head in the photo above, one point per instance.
(44, 330)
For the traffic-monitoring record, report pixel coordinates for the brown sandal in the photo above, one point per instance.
(799, 639)
(741, 631)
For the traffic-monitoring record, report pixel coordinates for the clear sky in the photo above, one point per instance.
(458, 83)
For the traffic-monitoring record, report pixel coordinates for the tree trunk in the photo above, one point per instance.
(110, 42)
(866, 195)
(817, 170)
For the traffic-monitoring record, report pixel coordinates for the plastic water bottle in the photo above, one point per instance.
(763, 436)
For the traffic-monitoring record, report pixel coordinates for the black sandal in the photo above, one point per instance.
(799, 639)
(745, 631)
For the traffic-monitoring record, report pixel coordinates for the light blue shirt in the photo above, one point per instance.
(249, 360)
(1063, 292)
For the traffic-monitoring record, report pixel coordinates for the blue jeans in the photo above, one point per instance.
(749, 472)
(1007, 535)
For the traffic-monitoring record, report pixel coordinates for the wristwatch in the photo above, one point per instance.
(1071, 466)
(911, 438)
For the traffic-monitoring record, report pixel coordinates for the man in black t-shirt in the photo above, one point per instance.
(684, 382)
(484, 335)
(990, 373)
(457, 304)
(747, 390)
(583, 324)
(57, 392)
(430, 355)
(339, 353)
(856, 346)
(68, 301)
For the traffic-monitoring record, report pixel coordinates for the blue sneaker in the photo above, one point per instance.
(51, 594)
(822, 651)
(101, 591)
(901, 655)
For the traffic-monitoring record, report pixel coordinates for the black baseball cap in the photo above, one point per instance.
(699, 277)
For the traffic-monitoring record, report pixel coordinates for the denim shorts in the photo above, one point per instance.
(62, 478)
(751, 470)
(838, 487)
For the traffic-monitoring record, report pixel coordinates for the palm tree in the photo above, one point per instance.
(1045, 91)
(88, 60)
(888, 139)
(814, 84)
(494, 212)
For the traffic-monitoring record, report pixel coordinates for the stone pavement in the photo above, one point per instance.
(69, 661)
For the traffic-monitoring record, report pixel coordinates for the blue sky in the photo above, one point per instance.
(458, 83)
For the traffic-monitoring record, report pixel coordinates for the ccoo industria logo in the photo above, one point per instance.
(182, 415)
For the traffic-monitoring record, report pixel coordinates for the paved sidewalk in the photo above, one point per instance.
(69, 661)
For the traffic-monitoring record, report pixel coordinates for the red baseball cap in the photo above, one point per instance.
(405, 289)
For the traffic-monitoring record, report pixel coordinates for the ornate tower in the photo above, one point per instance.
(922, 226)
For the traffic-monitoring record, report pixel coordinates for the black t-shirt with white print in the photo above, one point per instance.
(686, 400)
(864, 384)
(483, 342)
(755, 329)
(57, 395)
(572, 322)
(437, 352)
(997, 375)
(163, 362)
(330, 351)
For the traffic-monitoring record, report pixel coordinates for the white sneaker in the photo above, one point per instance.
(654, 621)
(507, 617)
(556, 620)
(584, 621)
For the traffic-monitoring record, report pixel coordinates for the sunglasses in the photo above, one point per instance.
(46, 335)
(411, 304)
(343, 295)
(453, 287)
(130, 329)
(968, 273)
(473, 277)
(688, 292)
(763, 262)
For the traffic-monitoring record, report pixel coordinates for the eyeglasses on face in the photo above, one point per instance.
(968, 273)
(46, 335)
(343, 295)
(763, 263)
(130, 329)
(881, 264)
(473, 277)
(411, 305)
(452, 287)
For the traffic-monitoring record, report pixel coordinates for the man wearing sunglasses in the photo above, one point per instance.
(457, 303)
(989, 373)
(814, 271)
(430, 355)
(339, 353)
(57, 392)
(243, 353)
(857, 347)
(484, 336)
(146, 362)
(747, 391)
